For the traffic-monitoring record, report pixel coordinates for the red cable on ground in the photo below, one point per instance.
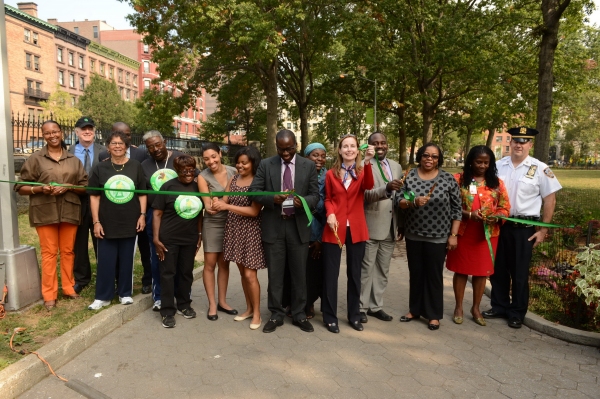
(25, 352)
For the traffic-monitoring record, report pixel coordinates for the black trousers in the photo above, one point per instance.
(425, 267)
(332, 254)
(314, 281)
(115, 254)
(179, 260)
(512, 266)
(143, 243)
(287, 248)
(82, 271)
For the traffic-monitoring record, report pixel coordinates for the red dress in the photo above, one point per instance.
(472, 256)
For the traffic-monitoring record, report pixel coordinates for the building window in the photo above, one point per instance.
(36, 63)
(35, 38)
(29, 85)
(27, 61)
(111, 72)
(289, 125)
(178, 126)
(507, 148)
(146, 84)
(59, 54)
(71, 80)
(120, 75)
(146, 66)
(127, 78)
(121, 91)
(135, 96)
(146, 49)
(92, 65)
(508, 139)
(95, 29)
(27, 34)
(102, 69)
(30, 114)
(81, 83)
(73, 101)
(71, 57)
(81, 62)
(498, 139)
(134, 80)
(76, 30)
(61, 78)
(128, 94)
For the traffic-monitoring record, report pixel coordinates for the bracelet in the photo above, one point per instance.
(31, 188)
(143, 214)
(453, 235)
(95, 222)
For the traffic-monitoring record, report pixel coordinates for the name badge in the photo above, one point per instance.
(473, 189)
(288, 203)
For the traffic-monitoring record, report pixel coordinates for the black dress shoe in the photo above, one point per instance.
(514, 322)
(304, 325)
(433, 327)
(357, 325)
(381, 315)
(363, 317)
(146, 289)
(492, 314)
(228, 311)
(333, 328)
(272, 325)
(406, 319)
(78, 288)
(212, 317)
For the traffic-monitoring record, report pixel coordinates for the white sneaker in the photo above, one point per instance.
(98, 304)
(156, 306)
(126, 300)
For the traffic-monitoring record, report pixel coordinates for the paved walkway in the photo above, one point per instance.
(225, 359)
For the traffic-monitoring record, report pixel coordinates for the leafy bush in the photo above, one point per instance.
(588, 282)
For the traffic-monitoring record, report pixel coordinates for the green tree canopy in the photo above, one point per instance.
(60, 105)
(103, 103)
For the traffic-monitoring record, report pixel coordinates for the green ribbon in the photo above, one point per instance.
(409, 196)
(196, 194)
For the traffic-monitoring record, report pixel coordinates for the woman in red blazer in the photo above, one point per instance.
(345, 185)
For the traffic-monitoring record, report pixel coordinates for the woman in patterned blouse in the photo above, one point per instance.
(484, 197)
(431, 200)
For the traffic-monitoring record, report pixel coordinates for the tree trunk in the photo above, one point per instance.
(303, 126)
(402, 157)
(552, 11)
(490, 138)
(271, 94)
(428, 114)
(468, 140)
(413, 144)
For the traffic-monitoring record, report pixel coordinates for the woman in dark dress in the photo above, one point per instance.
(177, 222)
(118, 216)
(242, 243)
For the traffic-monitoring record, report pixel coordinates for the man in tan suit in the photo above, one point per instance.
(383, 227)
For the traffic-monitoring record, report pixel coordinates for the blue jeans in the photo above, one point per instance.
(153, 257)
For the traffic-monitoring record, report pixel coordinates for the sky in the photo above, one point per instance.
(114, 12)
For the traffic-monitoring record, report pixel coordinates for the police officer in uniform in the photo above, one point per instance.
(530, 183)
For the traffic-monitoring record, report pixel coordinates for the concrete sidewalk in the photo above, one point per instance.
(225, 359)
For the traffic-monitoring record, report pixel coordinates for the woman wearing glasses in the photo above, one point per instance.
(54, 211)
(118, 216)
(432, 204)
(345, 185)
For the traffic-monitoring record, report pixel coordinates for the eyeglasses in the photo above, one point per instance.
(427, 156)
(117, 144)
(186, 172)
(288, 149)
(52, 133)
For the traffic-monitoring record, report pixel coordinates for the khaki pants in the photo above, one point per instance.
(55, 237)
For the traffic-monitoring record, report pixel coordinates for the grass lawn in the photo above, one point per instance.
(43, 325)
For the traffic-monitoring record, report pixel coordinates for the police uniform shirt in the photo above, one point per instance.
(527, 184)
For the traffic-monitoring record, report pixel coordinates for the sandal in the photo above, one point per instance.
(49, 305)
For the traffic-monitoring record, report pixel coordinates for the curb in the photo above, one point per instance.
(24, 374)
(554, 330)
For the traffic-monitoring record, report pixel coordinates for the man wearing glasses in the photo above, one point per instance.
(530, 183)
(284, 225)
(88, 153)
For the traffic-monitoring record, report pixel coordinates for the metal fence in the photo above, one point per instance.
(28, 138)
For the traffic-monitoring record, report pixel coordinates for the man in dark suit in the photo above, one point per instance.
(285, 230)
(142, 241)
(88, 153)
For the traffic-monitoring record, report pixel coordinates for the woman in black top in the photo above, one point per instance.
(431, 199)
(117, 216)
(177, 221)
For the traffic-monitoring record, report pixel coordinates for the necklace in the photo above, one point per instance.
(166, 162)
(113, 165)
(57, 159)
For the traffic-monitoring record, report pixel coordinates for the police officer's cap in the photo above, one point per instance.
(522, 134)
